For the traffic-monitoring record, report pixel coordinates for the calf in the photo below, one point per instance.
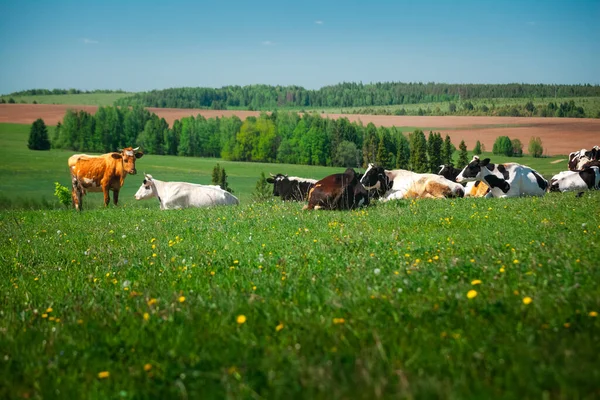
(586, 179)
(400, 184)
(174, 195)
(291, 188)
(505, 180)
(338, 192)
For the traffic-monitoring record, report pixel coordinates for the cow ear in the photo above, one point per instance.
(270, 180)
(116, 156)
(485, 162)
(139, 154)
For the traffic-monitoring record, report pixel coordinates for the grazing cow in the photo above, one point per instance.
(578, 159)
(338, 192)
(101, 173)
(175, 195)
(586, 179)
(403, 184)
(449, 172)
(505, 180)
(477, 189)
(291, 188)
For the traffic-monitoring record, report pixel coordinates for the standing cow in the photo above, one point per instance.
(101, 173)
(505, 180)
(338, 192)
(291, 188)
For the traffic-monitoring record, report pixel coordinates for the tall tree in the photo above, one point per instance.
(477, 149)
(403, 154)
(370, 145)
(434, 151)
(448, 150)
(418, 152)
(38, 136)
(463, 156)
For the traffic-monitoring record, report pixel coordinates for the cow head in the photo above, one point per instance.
(374, 177)
(147, 190)
(128, 155)
(277, 181)
(473, 170)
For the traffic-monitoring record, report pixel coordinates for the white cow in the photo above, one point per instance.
(173, 195)
(403, 184)
(505, 180)
(586, 179)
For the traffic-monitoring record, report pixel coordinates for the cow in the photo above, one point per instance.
(577, 159)
(176, 195)
(291, 188)
(404, 184)
(505, 180)
(580, 181)
(338, 192)
(101, 174)
(477, 189)
(449, 172)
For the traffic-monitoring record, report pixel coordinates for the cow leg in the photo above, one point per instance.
(76, 194)
(106, 196)
(116, 197)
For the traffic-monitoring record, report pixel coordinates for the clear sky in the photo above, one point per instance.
(143, 45)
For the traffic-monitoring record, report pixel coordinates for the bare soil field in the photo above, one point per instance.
(559, 135)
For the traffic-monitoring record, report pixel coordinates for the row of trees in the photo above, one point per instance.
(281, 137)
(514, 148)
(259, 97)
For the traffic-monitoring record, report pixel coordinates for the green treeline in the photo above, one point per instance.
(279, 137)
(36, 92)
(261, 97)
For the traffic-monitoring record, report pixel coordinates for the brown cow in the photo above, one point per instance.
(101, 173)
(338, 192)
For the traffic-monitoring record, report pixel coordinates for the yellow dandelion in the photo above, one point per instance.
(566, 325)
(147, 367)
(502, 270)
(476, 282)
(593, 314)
(152, 301)
(241, 319)
(339, 321)
(103, 374)
(527, 300)
(471, 294)
(80, 321)
(212, 273)
(44, 315)
(49, 310)
(146, 316)
(279, 327)
(515, 261)
(181, 299)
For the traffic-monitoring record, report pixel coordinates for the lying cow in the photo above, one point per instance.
(403, 184)
(579, 159)
(101, 174)
(477, 189)
(338, 192)
(449, 172)
(505, 180)
(174, 195)
(291, 188)
(580, 181)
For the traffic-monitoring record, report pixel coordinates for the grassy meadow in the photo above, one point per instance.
(453, 299)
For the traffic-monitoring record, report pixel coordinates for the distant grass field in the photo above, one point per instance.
(83, 99)
(27, 177)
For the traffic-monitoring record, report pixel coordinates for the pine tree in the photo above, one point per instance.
(418, 152)
(463, 156)
(448, 151)
(38, 136)
(477, 149)
(382, 158)
(219, 177)
(262, 190)
(434, 150)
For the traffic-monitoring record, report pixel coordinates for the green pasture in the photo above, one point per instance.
(85, 99)
(27, 177)
(446, 299)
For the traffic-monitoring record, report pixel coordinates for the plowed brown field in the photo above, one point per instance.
(559, 135)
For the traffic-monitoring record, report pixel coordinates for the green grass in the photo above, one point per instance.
(359, 304)
(371, 303)
(86, 99)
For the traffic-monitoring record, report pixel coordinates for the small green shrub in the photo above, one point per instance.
(63, 193)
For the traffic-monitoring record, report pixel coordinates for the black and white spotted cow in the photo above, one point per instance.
(449, 172)
(291, 188)
(579, 159)
(505, 180)
(580, 181)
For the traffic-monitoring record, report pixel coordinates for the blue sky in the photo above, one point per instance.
(144, 45)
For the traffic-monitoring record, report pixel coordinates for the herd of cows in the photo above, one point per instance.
(347, 190)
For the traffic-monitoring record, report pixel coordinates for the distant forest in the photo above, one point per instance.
(45, 92)
(279, 137)
(263, 97)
